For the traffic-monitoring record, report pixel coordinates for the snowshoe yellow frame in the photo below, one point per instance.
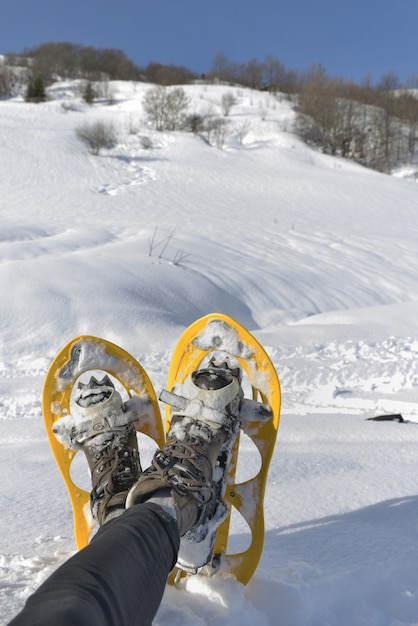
(221, 334)
(80, 355)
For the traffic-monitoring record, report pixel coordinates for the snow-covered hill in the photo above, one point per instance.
(315, 255)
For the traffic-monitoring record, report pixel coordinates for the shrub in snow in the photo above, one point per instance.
(146, 142)
(97, 135)
(89, 93)
(227, 102)
(195, 123)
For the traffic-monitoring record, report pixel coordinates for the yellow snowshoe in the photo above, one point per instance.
(219, 335)
(89, 354)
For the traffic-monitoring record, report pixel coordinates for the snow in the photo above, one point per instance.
(315, 255)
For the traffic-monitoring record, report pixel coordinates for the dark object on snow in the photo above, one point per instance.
(396, 417)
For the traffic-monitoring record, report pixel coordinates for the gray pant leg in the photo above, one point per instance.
(117, 580)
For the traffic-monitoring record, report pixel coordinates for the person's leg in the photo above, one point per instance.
(118, 579)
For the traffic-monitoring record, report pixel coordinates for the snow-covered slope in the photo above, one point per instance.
(315, 255)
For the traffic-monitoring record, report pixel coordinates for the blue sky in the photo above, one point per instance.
(350, 38)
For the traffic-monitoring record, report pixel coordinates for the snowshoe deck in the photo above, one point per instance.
(213, 334)
(87, 354)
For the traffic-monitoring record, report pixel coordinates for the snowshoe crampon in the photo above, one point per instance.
(220, 336)
(88, 354)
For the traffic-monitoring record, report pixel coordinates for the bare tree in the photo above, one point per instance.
(251, 74)
(165, 107)
(317, 101)
(389, 82)
(274, 74)
(176, 106)
(153, 104)
(220, 66)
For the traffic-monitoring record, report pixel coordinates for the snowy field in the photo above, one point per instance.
(315, 255)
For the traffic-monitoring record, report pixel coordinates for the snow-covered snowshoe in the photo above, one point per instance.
(219, 336)
(92, 354)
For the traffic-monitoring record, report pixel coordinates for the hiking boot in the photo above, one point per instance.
(101, 425)
(193, 465)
